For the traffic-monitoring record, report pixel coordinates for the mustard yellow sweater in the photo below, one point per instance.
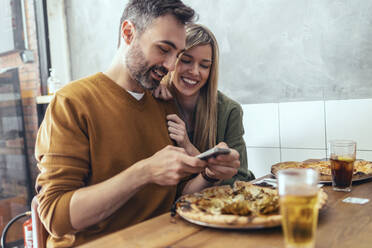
(92, 130)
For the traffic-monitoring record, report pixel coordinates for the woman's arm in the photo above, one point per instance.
(231, 130)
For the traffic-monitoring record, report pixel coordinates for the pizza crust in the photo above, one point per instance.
(231, 221)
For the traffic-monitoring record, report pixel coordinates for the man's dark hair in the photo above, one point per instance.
(142, 12)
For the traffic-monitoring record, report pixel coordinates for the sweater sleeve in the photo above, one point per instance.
(62, 153)
(233, 137)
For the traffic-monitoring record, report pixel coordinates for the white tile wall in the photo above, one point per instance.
(350, 119)
(261, 159)
(299, 130)
(302, 125)
(302, 154)
(261, 125)
(366, 155)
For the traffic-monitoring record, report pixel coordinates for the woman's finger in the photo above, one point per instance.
(156, 92)
(175, 118)
(233, 164)
(175, 137)
(176, 131)
(175, 125)
(223, 172)
(167, 94)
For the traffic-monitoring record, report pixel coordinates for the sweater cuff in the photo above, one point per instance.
(61, 216)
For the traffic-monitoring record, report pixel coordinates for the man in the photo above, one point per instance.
(105, 157)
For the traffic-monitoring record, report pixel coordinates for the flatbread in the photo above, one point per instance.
(244, 206)
(362, 168)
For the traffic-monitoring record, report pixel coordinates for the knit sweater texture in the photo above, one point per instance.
(230, 129)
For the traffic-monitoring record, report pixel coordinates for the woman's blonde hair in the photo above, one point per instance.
(205, 128)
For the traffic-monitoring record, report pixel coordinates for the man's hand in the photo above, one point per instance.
(166, 167)
(169, 165)
(223, 166)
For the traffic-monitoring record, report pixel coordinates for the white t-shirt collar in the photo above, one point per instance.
(136, 95)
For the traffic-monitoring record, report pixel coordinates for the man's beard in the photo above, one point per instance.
(139, 69)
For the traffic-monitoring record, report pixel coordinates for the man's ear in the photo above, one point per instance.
(127, 31)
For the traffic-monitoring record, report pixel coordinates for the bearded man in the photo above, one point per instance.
(105, 157)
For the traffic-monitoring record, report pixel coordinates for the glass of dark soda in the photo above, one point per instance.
(342, 156)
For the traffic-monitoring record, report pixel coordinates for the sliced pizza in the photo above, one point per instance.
(244, 206)
(362, 168)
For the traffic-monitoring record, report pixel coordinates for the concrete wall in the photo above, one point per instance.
(93, 27)
(271, 50)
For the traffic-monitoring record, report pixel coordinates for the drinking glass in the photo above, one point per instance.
(298, 192)
(342, 156)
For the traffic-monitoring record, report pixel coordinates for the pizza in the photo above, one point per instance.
(246, 205)
(362, 168)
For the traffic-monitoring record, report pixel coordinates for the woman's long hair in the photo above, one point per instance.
(205, 126)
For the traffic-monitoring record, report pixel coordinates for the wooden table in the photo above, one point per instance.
(340, 225)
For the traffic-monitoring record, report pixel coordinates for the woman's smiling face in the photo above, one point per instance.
(192, 70)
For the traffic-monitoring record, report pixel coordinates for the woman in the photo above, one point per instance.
(207, 116)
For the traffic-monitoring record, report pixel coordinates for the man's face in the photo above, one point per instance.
(154, 52)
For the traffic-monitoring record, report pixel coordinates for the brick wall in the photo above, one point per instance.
(29, 84)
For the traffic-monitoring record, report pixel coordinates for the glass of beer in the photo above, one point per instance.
(342, 156)
(298, 194)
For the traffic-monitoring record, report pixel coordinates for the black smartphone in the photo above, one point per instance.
(213, 152)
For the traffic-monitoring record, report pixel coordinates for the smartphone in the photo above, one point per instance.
(213, 152)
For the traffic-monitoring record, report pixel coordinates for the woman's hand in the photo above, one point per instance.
(223, 166)
(162, 92)
(178, 132)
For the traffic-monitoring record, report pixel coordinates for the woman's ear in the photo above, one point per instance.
(127, 31)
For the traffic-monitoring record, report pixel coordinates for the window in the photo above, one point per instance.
(14, 174)
(11, 27)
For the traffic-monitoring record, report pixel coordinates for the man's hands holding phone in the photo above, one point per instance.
(171, 164)
(221, 164)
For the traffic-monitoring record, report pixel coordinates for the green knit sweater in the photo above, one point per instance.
(230, 130)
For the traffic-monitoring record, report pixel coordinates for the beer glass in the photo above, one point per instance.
(342, 156)
(298, 194)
